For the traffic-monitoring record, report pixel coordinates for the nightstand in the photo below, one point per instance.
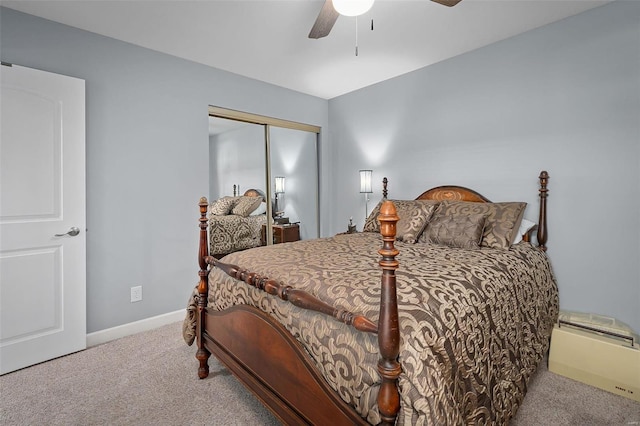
(282, 233)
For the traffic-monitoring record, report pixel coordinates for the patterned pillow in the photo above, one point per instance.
(414, 216)
(222, 206)
(457, 231)
(372, 224)
(501, 225)
(246, 205)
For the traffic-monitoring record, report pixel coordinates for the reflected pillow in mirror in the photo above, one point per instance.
(262, 209)
(222, 206)
(246, 205)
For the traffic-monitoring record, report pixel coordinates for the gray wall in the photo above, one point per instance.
(564, 98)
(147, 156)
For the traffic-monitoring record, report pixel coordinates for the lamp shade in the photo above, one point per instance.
(279, 185)
(365, 181)
(352, 7)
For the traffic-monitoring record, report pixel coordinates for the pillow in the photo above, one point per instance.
(246, 205)
(262, 209)
(414, 216)
(525, 227)
(501, 224)
(372, 224)
(457, 231)
(222, 206)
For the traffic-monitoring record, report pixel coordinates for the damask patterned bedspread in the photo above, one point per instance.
(231, 233)
(474, 323)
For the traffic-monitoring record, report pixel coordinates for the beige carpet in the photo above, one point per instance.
(150, 379)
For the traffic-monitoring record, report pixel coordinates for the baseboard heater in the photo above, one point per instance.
(596, 350)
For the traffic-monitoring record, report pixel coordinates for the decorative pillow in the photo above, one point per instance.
(525, 226)
(501, 224)
(246, 205)
(457, 231)
(372, 224)
(222, 206)
(414, 216)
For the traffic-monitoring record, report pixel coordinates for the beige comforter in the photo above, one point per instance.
(474, 323)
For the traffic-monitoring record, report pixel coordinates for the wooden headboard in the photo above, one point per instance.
(254, 193)
(454, 193)
(249, 192)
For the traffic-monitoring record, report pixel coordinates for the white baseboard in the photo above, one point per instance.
(104, 336)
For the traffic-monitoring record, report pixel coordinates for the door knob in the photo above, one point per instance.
(72, 232)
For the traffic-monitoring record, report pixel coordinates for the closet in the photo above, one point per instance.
(277, 157)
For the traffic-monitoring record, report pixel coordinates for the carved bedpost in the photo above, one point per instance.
(388, 323)
(202, 353)
(384, 188)
(542, 220)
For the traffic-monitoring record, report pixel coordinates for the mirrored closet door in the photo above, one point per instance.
(294, 171)
(279, 158)
(236, 157)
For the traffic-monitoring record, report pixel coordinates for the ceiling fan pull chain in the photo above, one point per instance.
(356, 36)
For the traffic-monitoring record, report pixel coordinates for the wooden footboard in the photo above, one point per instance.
(273, 365)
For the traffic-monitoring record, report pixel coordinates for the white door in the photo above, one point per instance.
(42, 193)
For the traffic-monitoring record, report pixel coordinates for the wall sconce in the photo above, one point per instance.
(365, 188)
(279, 180)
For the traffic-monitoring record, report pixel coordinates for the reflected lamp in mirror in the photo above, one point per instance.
(365, 188)
(279, 183)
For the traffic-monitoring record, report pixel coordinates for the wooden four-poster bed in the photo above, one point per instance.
(450, 334)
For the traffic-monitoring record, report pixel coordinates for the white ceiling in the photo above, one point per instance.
(267, 39)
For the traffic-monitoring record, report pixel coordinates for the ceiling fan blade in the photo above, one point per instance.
(449, 3)
(325, 20)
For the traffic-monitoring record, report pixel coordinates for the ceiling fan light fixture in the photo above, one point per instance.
(352, 7)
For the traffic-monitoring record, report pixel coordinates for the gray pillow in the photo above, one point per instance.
(457, 231)
(502, 219)
(414, 216)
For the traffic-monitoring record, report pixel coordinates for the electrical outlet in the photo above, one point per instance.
(136, 294)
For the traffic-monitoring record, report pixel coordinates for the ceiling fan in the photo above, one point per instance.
(328, 16)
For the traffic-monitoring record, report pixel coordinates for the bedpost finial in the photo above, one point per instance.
(384, 187)
(542, 220)
(544, 177)
(388, 218)
(203, 200)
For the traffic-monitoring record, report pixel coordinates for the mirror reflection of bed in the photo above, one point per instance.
(235, 222)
